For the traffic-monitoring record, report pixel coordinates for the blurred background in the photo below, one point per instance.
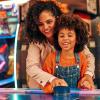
(88, 10)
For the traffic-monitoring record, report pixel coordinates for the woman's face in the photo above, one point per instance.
(67, 39)
(47, 23)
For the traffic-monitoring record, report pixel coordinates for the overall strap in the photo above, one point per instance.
(77, 59)
(57, 57)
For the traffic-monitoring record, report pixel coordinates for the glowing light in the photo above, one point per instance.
(15, 48)
(20, 2)
(14, 97)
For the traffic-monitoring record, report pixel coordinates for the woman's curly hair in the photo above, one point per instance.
(72, 22)
(32, 18)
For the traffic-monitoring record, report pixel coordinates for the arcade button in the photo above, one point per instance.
(61, 91)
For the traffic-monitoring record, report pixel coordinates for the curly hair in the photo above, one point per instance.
(32, 18)
(72, 22)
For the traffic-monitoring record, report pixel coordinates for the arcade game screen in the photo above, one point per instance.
(8, 27)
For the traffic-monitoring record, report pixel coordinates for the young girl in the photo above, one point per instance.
(68, 62)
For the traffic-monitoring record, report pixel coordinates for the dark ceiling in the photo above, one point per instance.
(81, 4)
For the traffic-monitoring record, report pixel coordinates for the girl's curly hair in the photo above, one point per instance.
(72, 22)
(33, 17)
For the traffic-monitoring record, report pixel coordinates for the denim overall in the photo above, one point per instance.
(70, 74)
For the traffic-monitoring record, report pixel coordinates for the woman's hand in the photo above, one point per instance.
(58, 82)
(86, 83)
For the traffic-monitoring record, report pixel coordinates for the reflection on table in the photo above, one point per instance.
(41, 96)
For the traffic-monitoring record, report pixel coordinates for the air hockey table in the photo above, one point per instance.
(32, 94)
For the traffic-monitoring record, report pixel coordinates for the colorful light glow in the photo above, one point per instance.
(20, 2)
(15, 52)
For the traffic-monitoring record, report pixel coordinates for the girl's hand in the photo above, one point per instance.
(58, 82)
(55, 82)
(86, 83)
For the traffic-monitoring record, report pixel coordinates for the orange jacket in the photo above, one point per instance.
(50, 63)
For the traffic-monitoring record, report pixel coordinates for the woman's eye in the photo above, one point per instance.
(48, 22)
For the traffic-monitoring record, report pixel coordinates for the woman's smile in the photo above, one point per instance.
(47, 23)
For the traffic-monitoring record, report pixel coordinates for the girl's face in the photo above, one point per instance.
(47, 23)
(67, 39)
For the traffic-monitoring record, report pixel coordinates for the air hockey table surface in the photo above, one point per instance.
(25, 94)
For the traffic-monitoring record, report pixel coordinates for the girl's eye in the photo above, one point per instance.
(70, 35)
(61, 36)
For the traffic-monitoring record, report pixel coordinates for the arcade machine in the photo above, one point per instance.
(9, 26)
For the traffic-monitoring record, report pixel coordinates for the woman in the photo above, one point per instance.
(41, 19)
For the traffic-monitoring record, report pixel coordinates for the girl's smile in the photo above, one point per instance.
(67, 39)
